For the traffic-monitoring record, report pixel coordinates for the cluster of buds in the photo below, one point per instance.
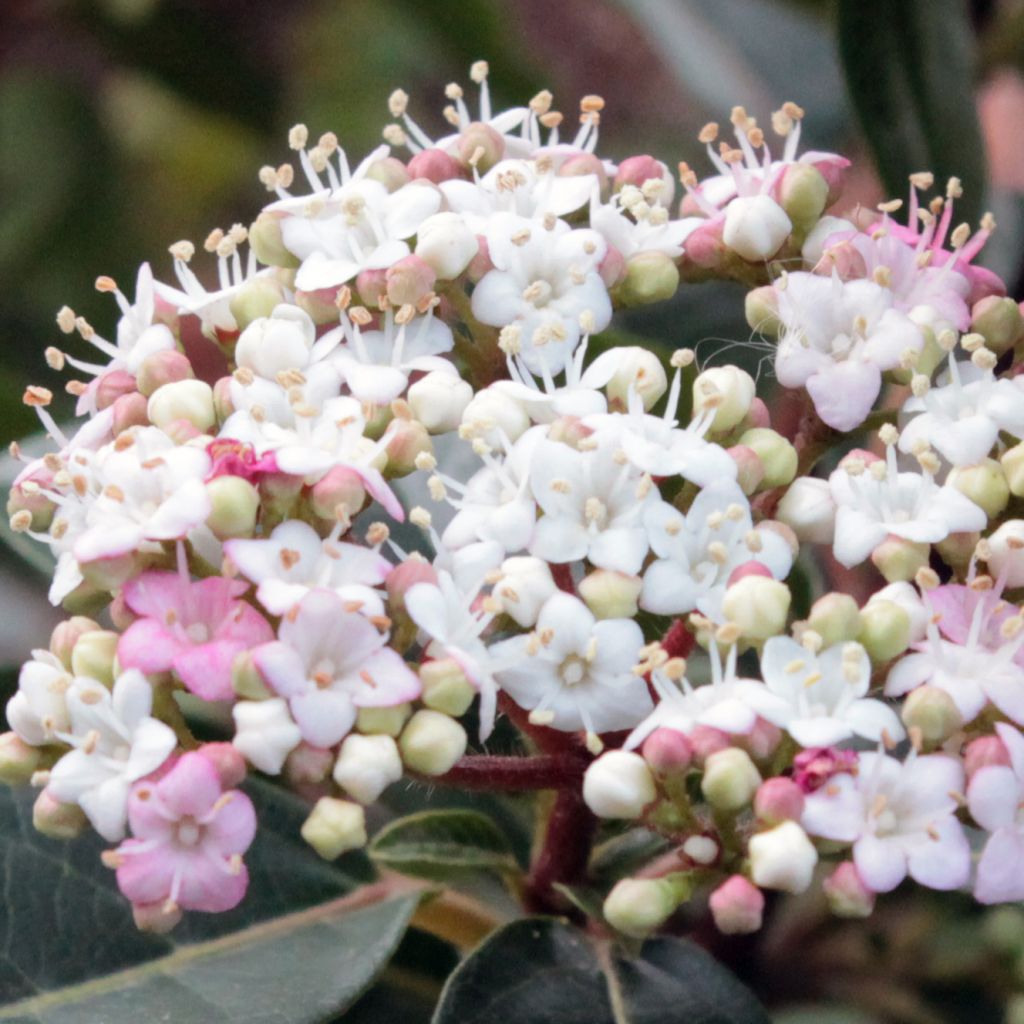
(606, 541)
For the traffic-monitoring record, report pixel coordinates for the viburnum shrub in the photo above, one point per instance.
(593, 578)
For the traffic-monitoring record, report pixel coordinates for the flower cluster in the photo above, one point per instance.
(606, 542)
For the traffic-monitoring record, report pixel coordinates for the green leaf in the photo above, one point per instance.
(437, 844)
(908, 67)
(540, 969)
(623, 854)
(305, 967)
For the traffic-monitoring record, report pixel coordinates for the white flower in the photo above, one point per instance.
(877, 502)
(648, 230)
(574, 672)
(825, 694)
(962, 418)
(618, 785)
(294, 559)
(755, 227)
(39, 710)
(836, 339)
(782, 858)
(367, 765)
(265, 733)
(544, 279)
(900, 817)
(525, 585)
(593, 503)
(116, 743)
(273, 344)
(697, 552)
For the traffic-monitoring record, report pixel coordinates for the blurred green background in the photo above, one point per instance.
(129, 124)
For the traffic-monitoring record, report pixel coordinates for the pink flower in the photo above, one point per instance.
(813, 768)
(194, 628)
(236, 458)
(189, 840)
(996, 797)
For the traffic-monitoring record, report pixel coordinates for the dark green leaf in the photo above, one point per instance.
(434, 844)
(908, 67)
(623, 854)
(543, 971)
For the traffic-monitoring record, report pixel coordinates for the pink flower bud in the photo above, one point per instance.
(706, 740)
(667, 752)
(858, 455)
(372, 286)
(813, 768)
(749, 468)
(737, 906)
(162, 368)
(67, 633)
(156, 918)
(112, 385)
(307, 765)
(222, 404)
(390, 172)
(983, 752)
(584, 163)
(406, 441)
(846, 892)
(435, 165)
(227, 761)
(751, 568)
(833, 170)
(415, 569)
(762, 740)
(338, 486)
(409, 281)
(612, 269)
(636, 170)
(758, 415)
(130, 411)
(319, 305)
(777, 800)
(57, 820)
(481, 146)
(120, 614)
(481, 263)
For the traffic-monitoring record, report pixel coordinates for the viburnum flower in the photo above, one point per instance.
(632, 224)
(265, 733)
(698, 552)
(875, 502)
(295, 559)
(545, 277)
(962, 418)
(328, 662)
(188, 840)
(836, 339)
(900, 817)
(825, 694)
(116, 742)
(573, 671)
(995, 797)
(39, 710)
(193, 627)
(593, 503)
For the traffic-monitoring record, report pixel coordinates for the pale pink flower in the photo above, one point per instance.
(189, 838)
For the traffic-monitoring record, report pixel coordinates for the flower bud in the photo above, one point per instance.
(446, 245)
(899, 559)
(803, 195)
(813, 250)
(28, 495)
(234, 503)
(227, 762)
(265, 733)
(706, 740)
(761, 308)
(434, 165)
(835, 618)
(480, 146)
(984, 752)
(57, 820)
(383, 721)
(390, 172)
(409, 281)
(266, 242)
(189, 400)
(438, 400)
(997, 318)
(651, 276)
(906, 596)
(165, 367)
(611, 595)
(846, 892)
(157, 918)
(493, 413)
(281, 341)
(726, 389)
(618, 785)
(639, 906)
(777, 455)
(66, 634)
(612, 269)
(445, 687)
(130, 411)
(730, 779)
(406, 441)
(338, 486)
(335, 826)
(762, 741)
(307, 765)
(1006, 552)
(18, 760)
(755, 227)
(808, 510)
(638, 170)
(782, 858)
(222, 404)
(525, 584)
(932, 712)
(93, 655)
(778, 799)
(1012, 461)
(639, 370)
(367, 765)
(112, 385)
(246, 680)
(580, 164)
(432, 743)
(985, 484)
(372, 287)
(257, 298)
(757, 605)
(749, 468)
(737, 906)
(884, 630)
(667, 752)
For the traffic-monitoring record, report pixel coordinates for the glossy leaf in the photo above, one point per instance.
(542, 969)
(436, 844)
(908, 68)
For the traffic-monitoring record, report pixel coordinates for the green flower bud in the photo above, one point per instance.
(1012, 461)
(650, 277)
(383, 721)
(56, 820)
(235, 503)
(256, 299)
(265, 240)
(66, 634)
(611, 595)
(730, 779)
(884, 630)
(246, 679)
(803, 194)
(932, 712)
(189, 400)
(985, 484)
(835, 618)
(94, 655)
(997, 318)
(898, 559)
(758, 605)
(18, 760)
(777, 455)
(445, 687)
(761, 307)
(335, 826)
(432, 742)
(639, 906)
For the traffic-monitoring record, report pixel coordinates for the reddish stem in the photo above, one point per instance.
(562, 575)
(515, 774)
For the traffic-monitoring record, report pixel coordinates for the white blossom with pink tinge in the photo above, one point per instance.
(900, 818)
(39, 710)
(327, 663)
(188, 840)
(195, 628)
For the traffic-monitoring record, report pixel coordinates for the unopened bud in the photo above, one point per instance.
(755, 227)
(525, 584)
(997, 318)
(814, 247)
(246, 680)
(480, 146)
(113, 385)
(93, 655)
(256, 299)
(803, 195)
(234, 503)
(667, 752)
(67, 633)
(985, 484)
(618, 785)
(749, 468)
(985, 752)
(728, 391)
(432, 742)
(406, 441)
(782, 858)
(266, 242)
(372, 286)
(446, 245)
(335, 826)
(367, 765)
(639, 370)
(898, 559)
(777, 455)
(835, 618)
(279, 342)
(409, 281)
(307, 765)
(758, 606)
(906, 596)
(778, 799)
(189, 400)
(18, 760)
(390, 172)
(156, 918)
(651, 277)
(1012, 461)
(227, 762)
(761, 308)
(434, 165)
(1006, 552)
(160, 368)
(932, 713)
(445, 687)
(730, 779)
(129, 411)
(884, 630)
(57, 820)
(439, 400)
(638, 170)
(639, 906)
(383, 721)
(846, 892)
(339, 487)
(611, 595)
(737, 906)
(706, 740)
(492, 414)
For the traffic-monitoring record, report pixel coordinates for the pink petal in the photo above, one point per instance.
(233, 827)
(149, 646)
(191, 787)
(206, 668)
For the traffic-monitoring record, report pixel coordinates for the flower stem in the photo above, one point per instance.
(515, 774)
